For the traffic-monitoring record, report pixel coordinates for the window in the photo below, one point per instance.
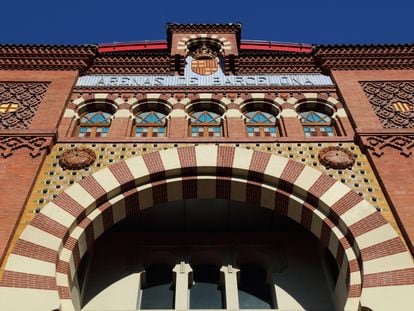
(254, 292)
(94, 124)
(150, 124)
(206, 292)
(261, 124)
(317, 124)
(205, 124)
(158, 288)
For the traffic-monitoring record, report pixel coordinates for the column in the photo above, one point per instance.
(182, 282)
(230, 283)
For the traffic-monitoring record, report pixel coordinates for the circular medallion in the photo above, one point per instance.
(336, 157)
(77, 158)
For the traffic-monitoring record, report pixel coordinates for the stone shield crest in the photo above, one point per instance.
(204, 66)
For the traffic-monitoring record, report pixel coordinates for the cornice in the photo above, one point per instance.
(210, 89)
(131, 63)
(323, 58)
(46, 57)
(365, 57)
(276, 62)
(203, 28)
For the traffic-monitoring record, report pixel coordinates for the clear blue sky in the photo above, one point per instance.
(92, 21)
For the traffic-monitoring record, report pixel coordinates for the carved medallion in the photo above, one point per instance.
(336, 157)
(77, 158)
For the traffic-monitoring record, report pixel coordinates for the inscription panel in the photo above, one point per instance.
(198, 80)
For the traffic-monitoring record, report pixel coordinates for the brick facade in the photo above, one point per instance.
(51, 215)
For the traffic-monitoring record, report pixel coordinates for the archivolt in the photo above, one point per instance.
(355, 233)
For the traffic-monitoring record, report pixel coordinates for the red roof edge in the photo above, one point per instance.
(275, 46)
(132, 46)
(244, 45)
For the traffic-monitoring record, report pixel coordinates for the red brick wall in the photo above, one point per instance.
(178, 127)
(235, 127)
(394, 171)
(354, 98)
(19, 170)
(17, 176)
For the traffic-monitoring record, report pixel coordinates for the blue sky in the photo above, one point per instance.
(92, 21)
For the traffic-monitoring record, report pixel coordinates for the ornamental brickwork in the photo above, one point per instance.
(26, 97)
(131, 63)
(276, 62)
(393, 102)
(46, 57)
(365, 57)
(34, 145)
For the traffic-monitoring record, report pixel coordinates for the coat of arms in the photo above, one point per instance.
(204, 62)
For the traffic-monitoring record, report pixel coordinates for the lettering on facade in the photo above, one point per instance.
(196, 80)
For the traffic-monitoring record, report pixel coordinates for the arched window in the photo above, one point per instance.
(254, 292)
(261, 124)
(205, 123)
(317, 123)
(206, 292)
(150, 124)
(94, 124)
(158, 288)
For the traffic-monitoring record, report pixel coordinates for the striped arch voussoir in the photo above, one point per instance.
(203, 38)
(367, 249)
(323, 99)
(86, 99)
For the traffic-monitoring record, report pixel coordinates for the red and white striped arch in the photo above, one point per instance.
(376, 268)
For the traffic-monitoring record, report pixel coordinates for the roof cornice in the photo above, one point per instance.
(365, 57)
(204, 28)
(47, 57)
